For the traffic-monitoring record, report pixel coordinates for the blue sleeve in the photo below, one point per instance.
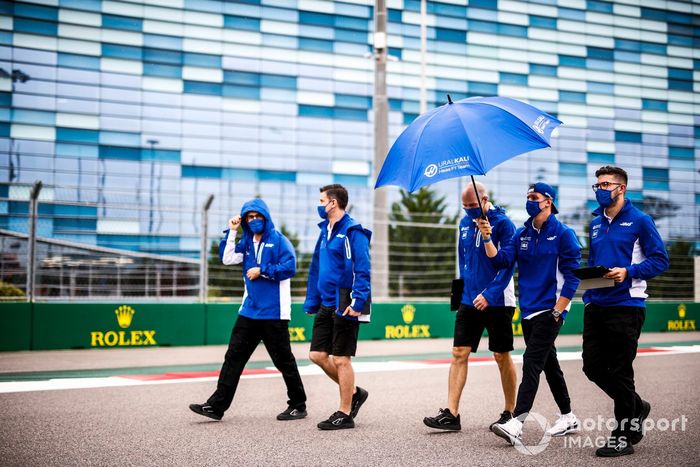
(361, 284)
(284, 266)
(507, 249)
(654, 250)
(569, 259)
(499, 283)
(222, 244)
(313, 298)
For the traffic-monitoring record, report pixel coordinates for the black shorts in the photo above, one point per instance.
(497, 320)
(334, 334)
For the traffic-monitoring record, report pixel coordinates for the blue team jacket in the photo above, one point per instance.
(630, 241)
(546, 261)
(341, 261)
(269, 296)
(480, 275)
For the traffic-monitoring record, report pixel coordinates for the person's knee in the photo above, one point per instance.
(460, 355)
(502, 359)
(342, 362)
(593, 373)
(319, 358)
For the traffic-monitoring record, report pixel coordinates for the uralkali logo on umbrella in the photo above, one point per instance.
(467, 137)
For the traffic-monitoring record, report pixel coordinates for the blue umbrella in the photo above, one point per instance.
(467, 137)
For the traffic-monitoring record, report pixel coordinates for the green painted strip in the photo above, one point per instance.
(156, 370)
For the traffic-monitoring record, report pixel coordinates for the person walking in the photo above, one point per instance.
(269, 262)
(546, 252)
(488, 302)
(339, 295)
(624, 240)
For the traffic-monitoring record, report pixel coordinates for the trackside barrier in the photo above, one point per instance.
(42, 326)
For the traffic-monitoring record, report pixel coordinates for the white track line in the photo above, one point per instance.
(305, 370)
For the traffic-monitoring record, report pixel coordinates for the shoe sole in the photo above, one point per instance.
(500, 432)
(616, 453)
(442, 427)
(568, 431)
(336, 427)
(646, 409)
(361, 400)
(289, 417)
(205, 414)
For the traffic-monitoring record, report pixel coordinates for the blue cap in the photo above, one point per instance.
(546, 190)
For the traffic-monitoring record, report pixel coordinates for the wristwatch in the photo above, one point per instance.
(556, 313)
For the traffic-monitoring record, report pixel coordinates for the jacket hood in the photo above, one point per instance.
(352, 225)
(257, 205)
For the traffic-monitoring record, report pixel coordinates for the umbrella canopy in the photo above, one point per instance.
(467, 137)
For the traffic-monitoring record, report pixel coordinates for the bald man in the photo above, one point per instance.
(488, 302)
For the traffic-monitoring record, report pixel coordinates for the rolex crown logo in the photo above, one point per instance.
(124, 315)
(408, 312)
(681, 311)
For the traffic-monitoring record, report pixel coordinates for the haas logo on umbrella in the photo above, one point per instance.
(540, 124)
(431, 170)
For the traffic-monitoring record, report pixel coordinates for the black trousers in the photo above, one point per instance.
(610, 337)
(540, 332)
(245, 337)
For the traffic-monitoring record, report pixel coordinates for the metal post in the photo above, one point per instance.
(203, 266)
(31, 246)
(152, 143)
(380, 245)
(423, 56)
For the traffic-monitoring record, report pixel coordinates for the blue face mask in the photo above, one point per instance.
(322, 212)
(604, 197)
(257, 225)
(473, 213)
(533, 208)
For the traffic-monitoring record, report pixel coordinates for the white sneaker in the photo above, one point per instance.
(510, 430)
(567, 423)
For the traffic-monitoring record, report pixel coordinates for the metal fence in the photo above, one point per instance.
(421, 265)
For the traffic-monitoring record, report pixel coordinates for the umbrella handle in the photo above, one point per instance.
(478, 200)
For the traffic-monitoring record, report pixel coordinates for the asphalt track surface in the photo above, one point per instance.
(151, 425)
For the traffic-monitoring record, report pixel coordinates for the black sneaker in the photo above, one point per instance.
(358, 399)
(615, 447)
(337, 421)
(292, 414)
(505, 416)
(207, 410)
(444, 421)
(637, 435)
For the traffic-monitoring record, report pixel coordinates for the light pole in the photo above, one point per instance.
(16, 75)
(152, 143)
(380, 246)
(203, 263)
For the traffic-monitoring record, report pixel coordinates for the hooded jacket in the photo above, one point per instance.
(630, 241)
(546, 261)
(268, 296)
(340, 261)
(480, 275)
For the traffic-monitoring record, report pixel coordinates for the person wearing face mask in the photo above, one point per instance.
(546, 252)
(269, 262)
(488, 302)
(339, 294)
(624, 240)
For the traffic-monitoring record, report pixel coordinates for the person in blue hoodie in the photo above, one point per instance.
(269, 263)
(547, 252)
(488, 302)
(338, 294)
(624, 240)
